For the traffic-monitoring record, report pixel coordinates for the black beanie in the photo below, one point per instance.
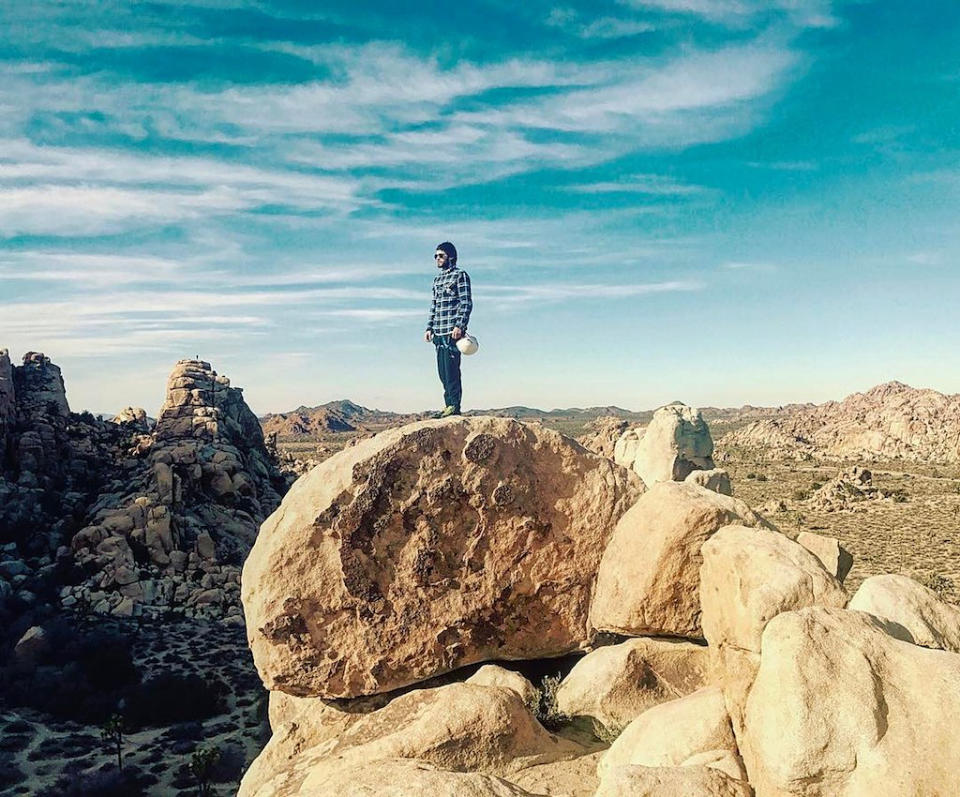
(450, 249)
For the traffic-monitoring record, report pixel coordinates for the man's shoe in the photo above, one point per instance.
(448, 411)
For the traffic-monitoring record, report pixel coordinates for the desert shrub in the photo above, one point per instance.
(108, 783)
(816, 485)
(751, 475)
(229, 767)
(172, 697)
(939, 583)
(898, 495)
(607, 734)
(801, 495)
(202, 762)
(761, 477)
(548, 712)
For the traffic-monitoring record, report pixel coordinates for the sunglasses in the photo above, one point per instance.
(438, 255)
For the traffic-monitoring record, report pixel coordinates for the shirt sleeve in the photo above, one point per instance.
(465, 303)
(433, 307)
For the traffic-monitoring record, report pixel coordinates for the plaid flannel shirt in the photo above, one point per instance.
(451, 304)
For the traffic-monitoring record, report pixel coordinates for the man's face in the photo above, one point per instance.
(440, 258)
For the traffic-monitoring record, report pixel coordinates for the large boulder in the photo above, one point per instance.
(650, 572)
(841, 708)
(396, 778)
(426, 548)
(749, 576)
(716, 479)
(676, 442)
(673, 733)
(615, 684)
(461, 727)
(897, 599)
(494, 675)
(685, 781)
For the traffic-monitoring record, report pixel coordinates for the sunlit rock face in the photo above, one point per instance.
(428, 547)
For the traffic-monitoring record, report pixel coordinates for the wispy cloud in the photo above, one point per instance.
(760, 268)
(653, 184)
(510, 295)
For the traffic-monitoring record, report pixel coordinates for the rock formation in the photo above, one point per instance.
(135, 416)
(175, 533)
(676, 442)
(403, 557)
(648, 576)
(890, 421)
(601, 434)
(426, 548)
(52, 465)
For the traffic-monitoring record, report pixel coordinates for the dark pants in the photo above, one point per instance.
(448, 367)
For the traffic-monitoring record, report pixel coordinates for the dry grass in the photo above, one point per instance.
(919, 537)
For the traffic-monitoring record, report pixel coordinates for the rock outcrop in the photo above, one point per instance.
(426, 548)
(890, 421)
(136, 417)
(615, 684)
(650, 572)
(841, 708)
(913, 608)
(601, 434)
(459, 727)
(174, 534)
(452, 541)
(676, 443)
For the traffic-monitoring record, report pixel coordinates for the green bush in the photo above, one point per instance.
(548, 712)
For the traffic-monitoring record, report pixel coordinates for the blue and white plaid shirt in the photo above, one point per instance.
(451, 303)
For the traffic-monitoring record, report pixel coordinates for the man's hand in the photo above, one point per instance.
(457, 333)
(428, 335)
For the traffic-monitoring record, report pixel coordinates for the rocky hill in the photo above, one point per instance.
(108, 517)
(334, 416)
(889, 421)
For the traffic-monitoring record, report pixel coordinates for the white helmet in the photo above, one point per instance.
(468, 344)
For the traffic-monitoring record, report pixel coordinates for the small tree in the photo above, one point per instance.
(112, 732)
(202, 762)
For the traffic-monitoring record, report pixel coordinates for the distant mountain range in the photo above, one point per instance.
(890, 420)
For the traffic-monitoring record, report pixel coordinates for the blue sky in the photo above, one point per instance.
(717, 201)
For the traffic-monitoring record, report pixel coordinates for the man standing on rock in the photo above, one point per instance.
(447, 323)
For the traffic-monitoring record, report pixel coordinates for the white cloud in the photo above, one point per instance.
(653, 184)
(739, 13)
(507, 295)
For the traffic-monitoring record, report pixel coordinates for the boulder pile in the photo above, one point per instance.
(175, 531)
(53, 464)
(737, 665)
